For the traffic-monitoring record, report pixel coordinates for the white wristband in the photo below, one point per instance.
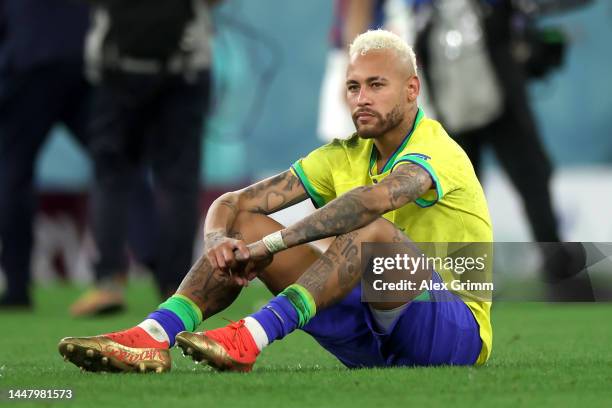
(274, 242)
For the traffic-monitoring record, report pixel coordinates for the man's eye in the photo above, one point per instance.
(376, 85)
(352, 88)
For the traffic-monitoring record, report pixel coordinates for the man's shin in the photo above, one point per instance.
(209, 288)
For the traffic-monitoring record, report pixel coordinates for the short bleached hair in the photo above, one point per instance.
(383, 40)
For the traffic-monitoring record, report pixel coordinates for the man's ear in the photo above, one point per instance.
(413, 88)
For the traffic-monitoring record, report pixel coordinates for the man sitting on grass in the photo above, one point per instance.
(399, 179)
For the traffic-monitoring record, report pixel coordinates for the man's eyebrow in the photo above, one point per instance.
(368, 80)
(376, 79)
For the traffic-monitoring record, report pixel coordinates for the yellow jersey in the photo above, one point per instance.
(454, 210)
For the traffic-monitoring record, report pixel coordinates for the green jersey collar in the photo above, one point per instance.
(389, 163)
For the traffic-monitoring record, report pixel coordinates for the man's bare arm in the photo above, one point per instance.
(264, 197)
(360, 206)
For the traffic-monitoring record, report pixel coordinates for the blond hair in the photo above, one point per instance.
(383, 40)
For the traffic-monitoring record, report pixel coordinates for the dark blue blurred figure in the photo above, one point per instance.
(41, 83)
(477, 76)
(149, 61)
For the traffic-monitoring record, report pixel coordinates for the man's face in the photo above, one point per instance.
(380, 90)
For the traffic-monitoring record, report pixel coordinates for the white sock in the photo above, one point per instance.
(257, 331)
(155, 330)
(386, 318)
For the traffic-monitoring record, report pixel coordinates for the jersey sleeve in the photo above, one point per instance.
(437, 158)
(315, 174)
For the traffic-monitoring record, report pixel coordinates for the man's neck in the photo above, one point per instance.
(388, 143)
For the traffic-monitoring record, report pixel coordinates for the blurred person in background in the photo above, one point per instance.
(350, 17)
(478, 86)
(149, 61)
(41, 84)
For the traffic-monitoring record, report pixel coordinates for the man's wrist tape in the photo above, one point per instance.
(274, 242)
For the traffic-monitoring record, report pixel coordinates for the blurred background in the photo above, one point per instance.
(268, 64)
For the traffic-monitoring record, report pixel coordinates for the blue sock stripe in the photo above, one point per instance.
(278, 318)
(171, 323)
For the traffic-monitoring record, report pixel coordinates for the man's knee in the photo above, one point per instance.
(380, 230)
(251, 227)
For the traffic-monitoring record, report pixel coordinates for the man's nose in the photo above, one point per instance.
(363, 98)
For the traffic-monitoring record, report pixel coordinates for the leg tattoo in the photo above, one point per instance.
(211, 289)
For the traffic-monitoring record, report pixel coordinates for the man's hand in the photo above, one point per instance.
(258, 258)
(265, 197)
(220, 249)
(235, 258)
(257, 252)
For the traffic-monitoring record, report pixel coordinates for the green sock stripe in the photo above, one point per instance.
(189, 313)
(194, 307)
(303, 302)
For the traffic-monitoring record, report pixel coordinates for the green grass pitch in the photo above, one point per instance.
(544, 355)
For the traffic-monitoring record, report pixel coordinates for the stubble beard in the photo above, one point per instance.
(391, 120)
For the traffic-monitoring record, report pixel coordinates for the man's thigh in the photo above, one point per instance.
(438, 331)
(441, 331)
(345, 331)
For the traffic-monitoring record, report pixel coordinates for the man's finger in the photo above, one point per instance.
(228, 255)
(212, 259)
(244, 251)
(239, 256)
(220, 260)
(239, 280)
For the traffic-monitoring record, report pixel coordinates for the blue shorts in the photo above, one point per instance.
(441, 331)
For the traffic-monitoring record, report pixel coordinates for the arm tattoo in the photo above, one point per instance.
(226, 202)
(274, 194)
(212, 238)
(407, 183)
(344, 214)
(360, 206)
(265, 197)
